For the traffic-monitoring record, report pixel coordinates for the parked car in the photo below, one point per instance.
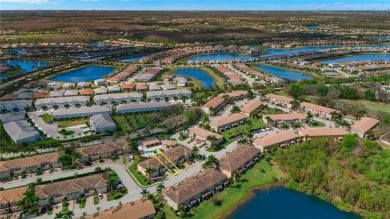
(100, 196)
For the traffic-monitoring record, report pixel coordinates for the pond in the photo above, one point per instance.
(285, 74)
(313, 27)
(133, 58)
(197, 74)
(280, 202)
(88, 73)
(273, 52)
(221, 57)
(359, 58)
(28, 66)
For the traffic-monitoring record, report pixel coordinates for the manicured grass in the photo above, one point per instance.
(135, 121)
(124, 160)
(82, 204)
(49, 212)
(116, 194)
(316, 124)
(95, 200)
(69, 123)
(66, 132)
(245, 128)
(47, 118)
(218, 80)
(133, 169)
(230, 197)
(370, 105)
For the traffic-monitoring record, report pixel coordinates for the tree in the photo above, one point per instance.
(160, 187)
(59, 215)
(144, 193)
(149, 171)
(294, 104)
(309, 117)
(211, 160)
(195, 151)
(296, 90)
(67, 214)
(212, 139)
(269, 120)
(160, 215)
(296, 125)
(284, 127)
(235, 109)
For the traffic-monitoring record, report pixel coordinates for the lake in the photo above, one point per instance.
(28, 66)
(274, 52)
(359, 58)
(133, 58)
(285, 74)
(282, 203)
(88, 73)
(197, 74)
(221, 57)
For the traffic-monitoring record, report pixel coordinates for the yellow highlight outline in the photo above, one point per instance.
(160, 152)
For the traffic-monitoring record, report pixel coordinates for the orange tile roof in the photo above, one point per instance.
(251, 106)
(287, 116)
(230, 119)
(276, 138)
(86, 92)
(204, 133)
(12, 195)
(364, 124)
(8, 97)
(323, 132)
(317, 107)
(279, 98)
(128, 86)
(42, 94)
(215, 102)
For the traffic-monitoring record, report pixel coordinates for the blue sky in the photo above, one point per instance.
(195, 4)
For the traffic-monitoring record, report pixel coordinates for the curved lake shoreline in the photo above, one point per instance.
(197, 74)
(85, 73)
(267, 201)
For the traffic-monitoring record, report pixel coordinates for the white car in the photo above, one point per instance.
(100, 196)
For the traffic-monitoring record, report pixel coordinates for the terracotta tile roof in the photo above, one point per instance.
(132, 210)
(102, 148)
(317, 107)
(322, 132)
(279, 98)
(128, 86)
(42, 94)
(72, 185)
(287, 116)
(233, 160)
(251, 106)
(230, 119)
(194, 185)
(153, 141)
(276, 138)
(237, 93)
(86, 92)
(141, 86)
(204, 133)
(8, 97)
(173, 154)
(364, 124)
(215, 102)
(12, 195)
(28, 161)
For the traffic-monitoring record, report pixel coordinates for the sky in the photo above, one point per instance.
(195, 4)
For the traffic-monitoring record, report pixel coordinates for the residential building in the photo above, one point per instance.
(250, 108)
(9, 199)
(151, 143)
(29, 164)
(70, 93)
(168, 87)
(141, 87)
(142, 208)
(13, 105)
(317, 110)
(282, 139)
(285, 118)
(102, 123)
(100, 82)
(61, 102)
(128, 87)
(239, 160)
(338, 133)
(82, 85)
(118, 98)
(214, 105)
(141, 107)
(68, 86)
(94, 152)
(201, 135)
(25, 96)
(54, 85)
(81, 112)
(40, 94)
(178, 154)
(72, 188)
(100, 90)
(21, 131)
(86, 92)
(231, 121)
(114, 89)
(170, 94)
(364, 125)
(279, 100)
(56, 93)
(11, 117)
(237, 95)
(195, 189)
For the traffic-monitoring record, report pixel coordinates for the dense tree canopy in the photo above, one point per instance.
(355, 174)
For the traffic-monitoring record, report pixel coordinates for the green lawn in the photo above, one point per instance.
(316, 124)
(245, 128)
(370, 105)
(231, 196)
(47, 118)
(135, 121)
(133, 169)
(66, 132)
(69, 123)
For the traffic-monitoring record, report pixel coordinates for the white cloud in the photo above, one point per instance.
(27, 1)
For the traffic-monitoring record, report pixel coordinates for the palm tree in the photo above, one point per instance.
(269, 120)
(212, 139)
(294, 104)
(59, 215)
(149, 171)
(335, 115)
(67, 214)
(236, 175)
(75, 155)
(195, 151)
(144, 193)
(211, 160)
(284, 127)
(296, 125)
(309, 117)
(160, 187)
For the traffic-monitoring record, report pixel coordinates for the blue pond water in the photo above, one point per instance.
(313, 27)
(97, 43)
(360, 57)
(282, 203)
(285, 74)
(133, 58)
(273, 52)
(28, 66)
(197, 74)
(220, 57)
(88, 73)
